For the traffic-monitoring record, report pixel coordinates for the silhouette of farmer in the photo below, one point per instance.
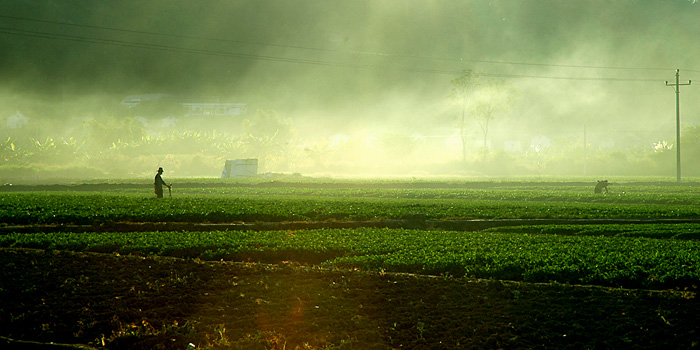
(158, 185)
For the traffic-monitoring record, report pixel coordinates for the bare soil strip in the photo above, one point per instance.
(410, 223)
(131, 302)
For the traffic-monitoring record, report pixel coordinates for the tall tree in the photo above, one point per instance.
(494, 96)
(463, 87)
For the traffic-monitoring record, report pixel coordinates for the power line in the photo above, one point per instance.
(167, 35)
(336, 50)
(123, 43)
(159, 47)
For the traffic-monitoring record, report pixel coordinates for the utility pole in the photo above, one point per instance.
(677, 87)
(585, 145)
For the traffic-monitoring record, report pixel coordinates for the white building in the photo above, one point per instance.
(17, 120)
(215, 109)
(134, 100)
(164, 111)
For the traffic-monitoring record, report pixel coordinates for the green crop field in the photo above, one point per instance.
(610, 261)
(228, 201)
(352, 264)
(657, 250)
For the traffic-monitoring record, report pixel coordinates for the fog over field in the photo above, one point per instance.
(349, 87)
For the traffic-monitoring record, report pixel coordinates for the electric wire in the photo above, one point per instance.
(332, 50)
(179, 36)
(206, 52)
(131, 44)
(159, 47)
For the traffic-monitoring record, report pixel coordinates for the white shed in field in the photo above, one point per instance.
(240, 168)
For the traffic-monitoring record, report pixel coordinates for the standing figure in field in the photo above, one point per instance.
(158, 185)
(602, 185)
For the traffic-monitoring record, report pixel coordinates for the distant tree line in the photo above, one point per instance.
(111, 147)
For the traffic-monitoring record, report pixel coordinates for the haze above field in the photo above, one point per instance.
(365, 71)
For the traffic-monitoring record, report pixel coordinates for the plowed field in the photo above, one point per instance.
(131, 302)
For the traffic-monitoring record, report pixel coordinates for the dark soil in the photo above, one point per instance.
(132, 302)
(408, 222)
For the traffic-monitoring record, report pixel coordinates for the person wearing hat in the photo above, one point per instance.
(159, 184)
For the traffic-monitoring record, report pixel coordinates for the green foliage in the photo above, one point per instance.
(10, 153)
(227, 201)
(680, 231)
(659, 255)
(609, 261)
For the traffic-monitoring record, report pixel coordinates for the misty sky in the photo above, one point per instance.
(366, 64)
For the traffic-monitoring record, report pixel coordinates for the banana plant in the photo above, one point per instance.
(11, 153)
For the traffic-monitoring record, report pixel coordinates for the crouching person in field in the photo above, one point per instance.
(601, 186)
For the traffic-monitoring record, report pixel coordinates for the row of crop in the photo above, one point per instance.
(600, 260)
(623, 194)
(680, 231)
(88, 208)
